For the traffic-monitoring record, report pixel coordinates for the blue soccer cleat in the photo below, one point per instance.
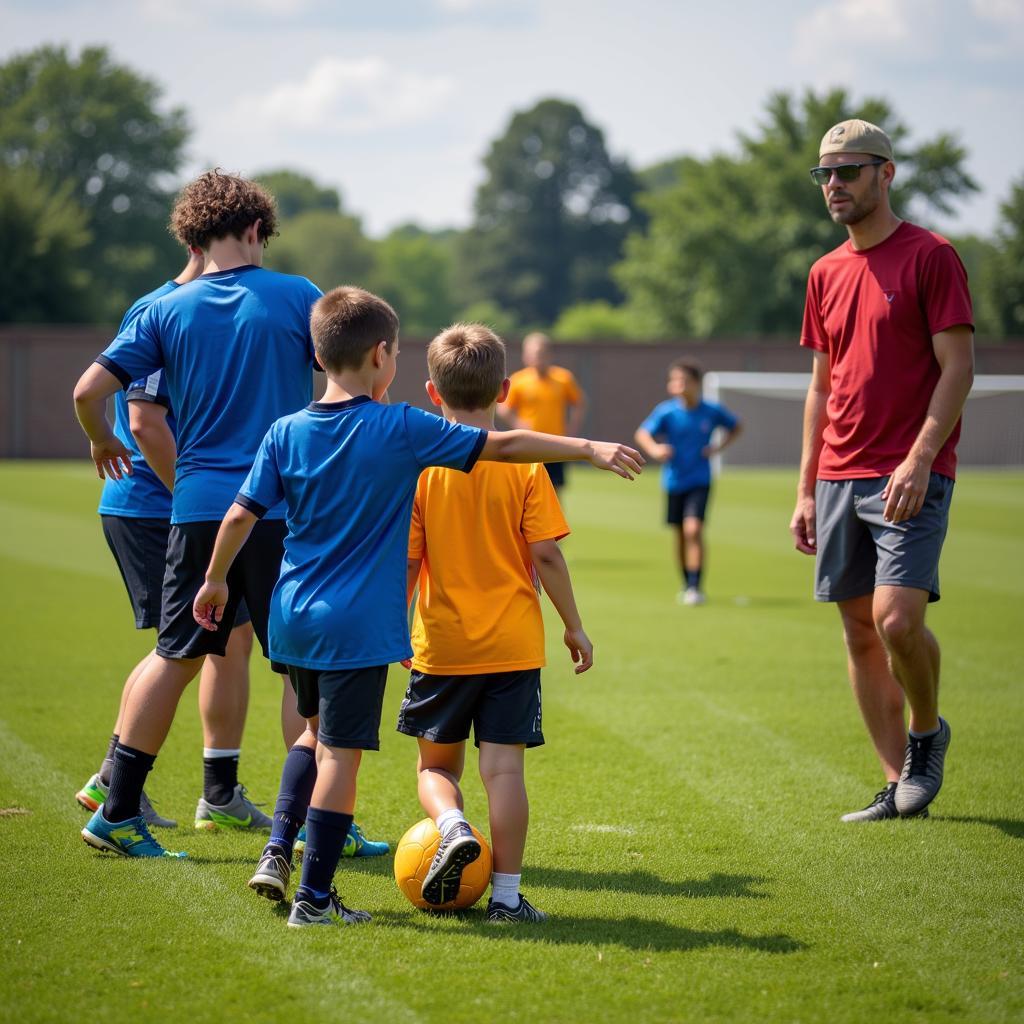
(356, 844)
(129, 838)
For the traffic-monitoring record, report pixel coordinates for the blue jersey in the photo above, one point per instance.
(347, 473)
(237, 354)
(689, 432)
(141, 495)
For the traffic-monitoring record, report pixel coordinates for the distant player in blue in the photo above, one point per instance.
(346, 469)
(135, 512)
(235, 351)
(677, 434)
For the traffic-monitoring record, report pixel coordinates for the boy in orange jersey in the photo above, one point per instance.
(478, 635)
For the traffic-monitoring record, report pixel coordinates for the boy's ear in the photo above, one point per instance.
(433, 393)
(380, 351)
(503, 393)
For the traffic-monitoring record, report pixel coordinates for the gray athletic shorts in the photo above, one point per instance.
(858, 550)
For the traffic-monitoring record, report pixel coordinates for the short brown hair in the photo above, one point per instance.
(466, 362)
(346, 323)
(216, 205)
(690, 366)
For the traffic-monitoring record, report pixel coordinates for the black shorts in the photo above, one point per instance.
(556, 471)
(251, 580)
(502, 707)
(139, 547)
(347, 700)
(691, 504)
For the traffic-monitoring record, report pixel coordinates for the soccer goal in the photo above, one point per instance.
(771, 407)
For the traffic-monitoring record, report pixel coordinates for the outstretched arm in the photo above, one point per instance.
(529, 446)
(93, 389)
(234, 531)
(554, 577)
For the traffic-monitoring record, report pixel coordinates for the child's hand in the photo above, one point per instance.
(112, 459)
(406, 663)
(208, 607)
(581, 650)
(618, 458)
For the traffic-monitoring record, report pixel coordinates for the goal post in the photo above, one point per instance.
(771, 407)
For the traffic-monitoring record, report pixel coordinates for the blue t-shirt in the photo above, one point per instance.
(141, 495)
(347, 473)
(689, 432)
(237, 354)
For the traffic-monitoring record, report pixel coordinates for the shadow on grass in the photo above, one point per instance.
(628, 932)
(643, 882)
(1013, 827)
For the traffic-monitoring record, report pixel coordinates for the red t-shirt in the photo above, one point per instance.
(874, 312)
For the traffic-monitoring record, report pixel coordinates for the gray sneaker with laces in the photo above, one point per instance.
(240, 812)
(921, 778)
(272, 874)
(525, 913)
(151, 816)
(305, 913)
(457, 849)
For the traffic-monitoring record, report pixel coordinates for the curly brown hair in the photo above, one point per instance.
(216, 205)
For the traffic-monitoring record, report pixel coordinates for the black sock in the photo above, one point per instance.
(693, 578)
(220, 776)
(297, 780)
(108, 761)
(325, 838)
(127, 780)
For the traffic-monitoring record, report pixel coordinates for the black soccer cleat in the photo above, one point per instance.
(457, 849)
(525, 913)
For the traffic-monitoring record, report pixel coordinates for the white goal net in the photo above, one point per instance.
(771, 407)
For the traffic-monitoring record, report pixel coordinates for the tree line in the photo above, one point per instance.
(564, 237)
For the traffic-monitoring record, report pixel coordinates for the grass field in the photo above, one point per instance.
(685, 834)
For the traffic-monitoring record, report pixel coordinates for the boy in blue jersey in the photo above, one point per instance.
(236, 354)
(346, 470)
(677, 434)
(135, 512)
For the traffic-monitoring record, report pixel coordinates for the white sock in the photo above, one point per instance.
(220, 752)
(505, 889)
(447, 820)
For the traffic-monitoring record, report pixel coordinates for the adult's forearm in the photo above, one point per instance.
(944, 409)
(160, 452)
(815, 417)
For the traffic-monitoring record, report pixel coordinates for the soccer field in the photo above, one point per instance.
(685, 835)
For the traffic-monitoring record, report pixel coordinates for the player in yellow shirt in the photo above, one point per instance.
(478, 637)
(544, 397)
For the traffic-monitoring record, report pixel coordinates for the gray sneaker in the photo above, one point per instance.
(240, 812)
(272, 874)
(152, 818)
(921, 778)
(525, 913)
(457, 849)
(305, 913)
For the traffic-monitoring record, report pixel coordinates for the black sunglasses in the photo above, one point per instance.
(845, 172)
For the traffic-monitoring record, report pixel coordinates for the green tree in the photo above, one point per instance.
(95, 126)
(44, 232)
(1001, 285)
(297, 193)
(729, 245)
(551, 216)
(328, 248)
(414, 273)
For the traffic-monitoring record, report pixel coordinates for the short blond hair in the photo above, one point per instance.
(346, 323)
(466, 362)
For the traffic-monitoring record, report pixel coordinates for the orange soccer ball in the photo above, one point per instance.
(416, 850)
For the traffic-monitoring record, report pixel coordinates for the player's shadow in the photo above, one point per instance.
(715, 886)
(628, 932)
(1013, 827)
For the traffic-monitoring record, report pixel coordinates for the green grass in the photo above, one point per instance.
(685, 832)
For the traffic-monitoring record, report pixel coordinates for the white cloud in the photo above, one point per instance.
(349, 96)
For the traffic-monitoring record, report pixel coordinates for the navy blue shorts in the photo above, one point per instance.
(139, 547)
(348, 701)
(556, 471)
(501, 707)
(691, 504)
(251, 581)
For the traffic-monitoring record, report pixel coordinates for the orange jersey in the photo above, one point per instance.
(541, 402)
(478, 610)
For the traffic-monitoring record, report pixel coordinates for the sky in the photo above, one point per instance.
(396, 104)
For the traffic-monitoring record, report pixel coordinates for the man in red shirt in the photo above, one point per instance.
(888, 318)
